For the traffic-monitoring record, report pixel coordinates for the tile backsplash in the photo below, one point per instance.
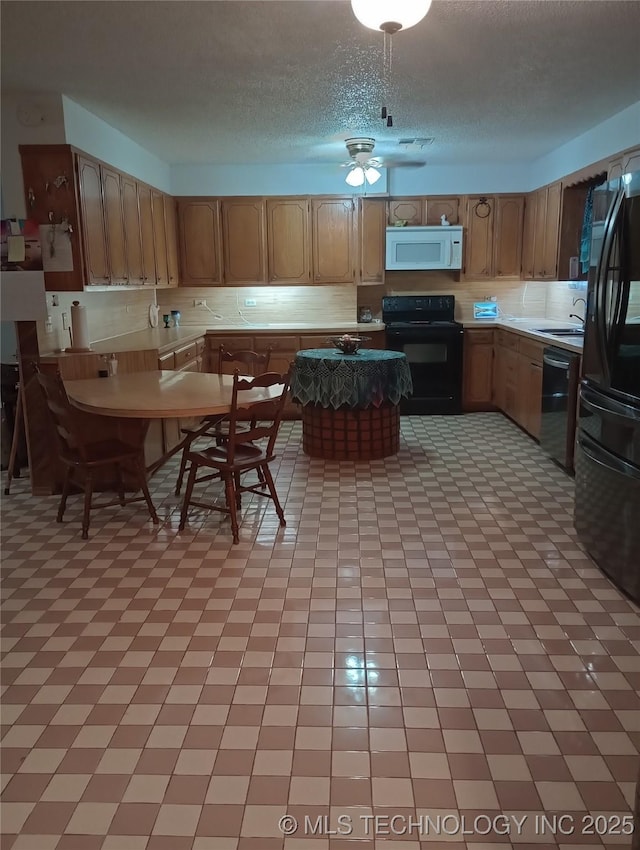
(113, 313)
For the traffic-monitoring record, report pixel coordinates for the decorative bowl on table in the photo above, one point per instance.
(348, 344)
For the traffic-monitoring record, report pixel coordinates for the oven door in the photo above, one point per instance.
(435, 359)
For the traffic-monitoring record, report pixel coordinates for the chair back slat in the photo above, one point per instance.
(63, 415)
(265, 415)
(251, 362)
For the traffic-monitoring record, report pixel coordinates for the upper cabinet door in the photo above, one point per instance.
(159, 237)
(199, 240)
(436, 207)
(406, 209)
(171, 228)
(478, 248)
(373, 217)
(288, 240)
(333, 255)
(529, 237)
(552, 232)
(243, 239)
(146, 231)
(507, 243)
(131, 218)
(95, 243)
(114, 226)
(540, 227)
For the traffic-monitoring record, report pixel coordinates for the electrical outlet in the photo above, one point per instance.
(250, 302)
(48, 325)
(54, 301)
(199, 302)
(65, 321)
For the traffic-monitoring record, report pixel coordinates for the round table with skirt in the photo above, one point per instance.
(350, 402)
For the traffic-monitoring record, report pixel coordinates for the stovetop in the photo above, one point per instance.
(423, 310)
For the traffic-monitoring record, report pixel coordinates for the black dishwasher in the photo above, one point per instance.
(559, 401)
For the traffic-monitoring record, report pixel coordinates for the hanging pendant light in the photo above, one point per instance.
(390, 16)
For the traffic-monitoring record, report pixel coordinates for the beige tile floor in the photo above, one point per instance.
(423, 657)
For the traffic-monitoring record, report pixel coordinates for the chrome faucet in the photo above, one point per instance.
(575, 315)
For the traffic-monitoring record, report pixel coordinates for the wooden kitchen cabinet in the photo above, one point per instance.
(159, 238)
(436, 207)
(288, 240)
(147, 235)
(529, 237)
(110, 213)
(477, 383)
(529, 407)
(199, 239)
(507, 241)
(493, 239)
(517, 379)
(171, 234)
(332, 222)
(406, 209)
(478, 239)
(372, 221)
(244, 241)
(114, 224)
(132, 235)
(542, 233)
(184, 358)
(92, 222)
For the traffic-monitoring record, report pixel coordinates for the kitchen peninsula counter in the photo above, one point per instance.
(163, 339)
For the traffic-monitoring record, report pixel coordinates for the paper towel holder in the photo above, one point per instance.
(74, 349)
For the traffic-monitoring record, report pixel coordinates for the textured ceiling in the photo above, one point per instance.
(286, 82)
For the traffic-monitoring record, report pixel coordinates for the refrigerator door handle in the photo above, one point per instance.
(615, 410)
(605, 459)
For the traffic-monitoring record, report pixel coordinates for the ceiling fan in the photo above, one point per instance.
(363, 167)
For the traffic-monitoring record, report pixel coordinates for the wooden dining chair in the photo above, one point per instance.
(251, 363)
(241, 451)
(81, 458)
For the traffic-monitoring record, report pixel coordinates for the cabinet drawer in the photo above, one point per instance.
(475, 337)
(231, 343)
(200, 347)
(278, 343)
(531, 350)
(183, 355)
(167, 361)
(316, 341)
(508, 340)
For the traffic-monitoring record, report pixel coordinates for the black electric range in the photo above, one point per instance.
(424, 328)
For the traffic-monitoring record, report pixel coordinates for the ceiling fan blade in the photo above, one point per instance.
(389, 162)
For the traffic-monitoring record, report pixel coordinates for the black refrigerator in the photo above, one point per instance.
(607, 502)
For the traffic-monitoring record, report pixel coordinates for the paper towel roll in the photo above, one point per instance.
(79, 327)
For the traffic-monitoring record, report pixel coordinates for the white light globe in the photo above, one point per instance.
(390, 15)
(372, 175)
(356, 176)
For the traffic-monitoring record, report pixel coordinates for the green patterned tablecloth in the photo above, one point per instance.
(368, 378)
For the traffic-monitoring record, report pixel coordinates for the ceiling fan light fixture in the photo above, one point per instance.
(390, 16)
(355, 177)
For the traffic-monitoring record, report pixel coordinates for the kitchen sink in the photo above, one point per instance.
(561, 331)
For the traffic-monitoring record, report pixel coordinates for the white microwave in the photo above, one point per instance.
(434, 247)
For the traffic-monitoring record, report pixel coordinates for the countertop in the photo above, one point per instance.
(166, 339)
(527, 327)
